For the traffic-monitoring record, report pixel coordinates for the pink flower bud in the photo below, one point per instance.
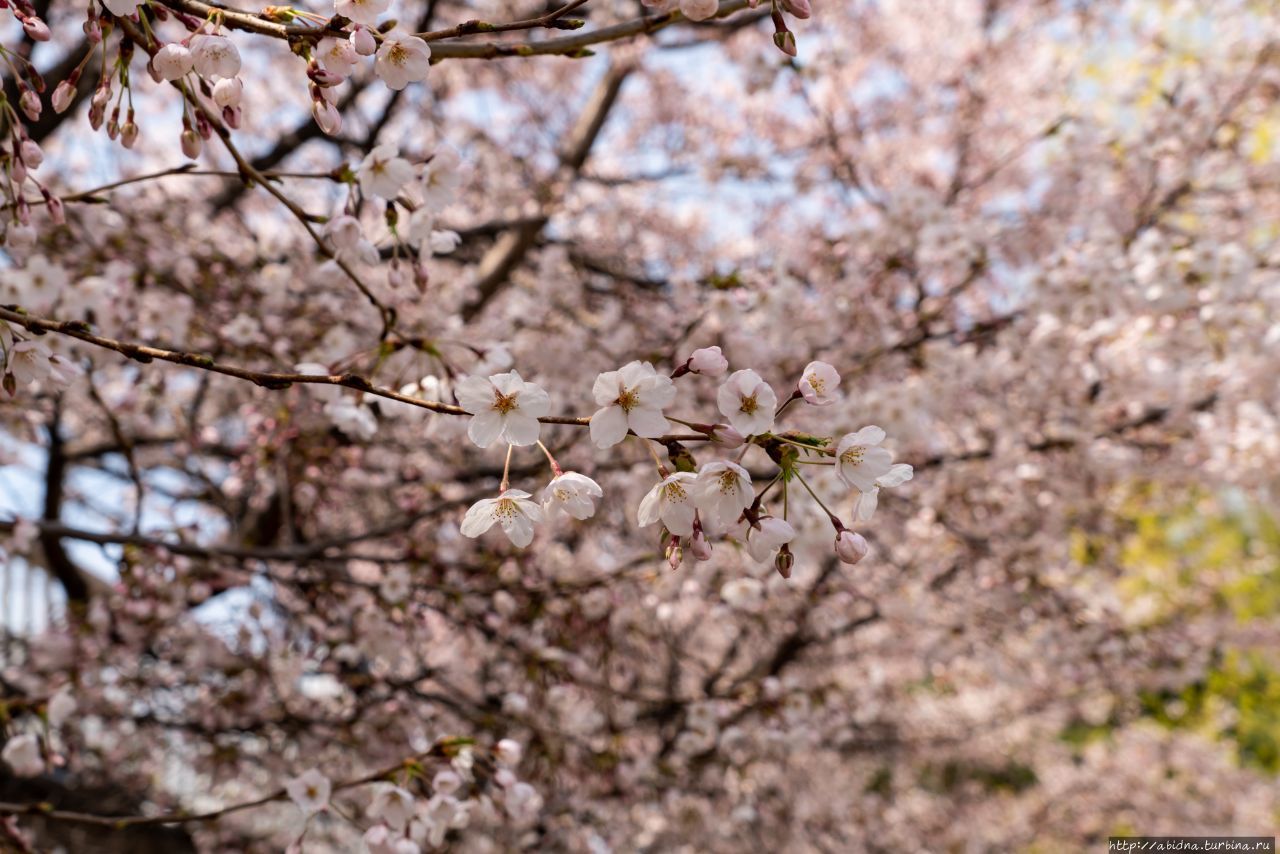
(231, 117)
(101, 95)
(191, 144)
(128, 134)
(727, 437)
(675, 554)
(322, 77)
(327, 117)
(36, 28)
(63, 95)
(30, 103)
(203, 126)
(708, 361)
(92, 30)
(97, 115)
(362, 41)
(851, 547)
(799, 8)
(57, 212)
(31, 153)
(17, 171)
(699, 546)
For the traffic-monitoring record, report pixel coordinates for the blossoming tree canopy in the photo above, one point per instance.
(600, 425)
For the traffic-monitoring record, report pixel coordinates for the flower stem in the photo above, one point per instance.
(835, 520)
(506, 470)
(662, 470)
(555, 467)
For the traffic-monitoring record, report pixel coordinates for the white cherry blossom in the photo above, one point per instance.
(505, 407)
(671, 500)
(512, 510)
(392, 805)
(383, 172)
(22, 754)
(722, 491)
(764, 540)
(309, 791)
(818, 384)
(337, 56)
(748, 402)
(361, 11)
(860, 459)
(864, 506)
(214, 56)
(572, 493)
(172, 61)
(402, 60)
(632, 398)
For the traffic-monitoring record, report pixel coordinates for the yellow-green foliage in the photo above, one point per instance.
(1191, 555)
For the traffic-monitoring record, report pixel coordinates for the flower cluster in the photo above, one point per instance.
(694, 502)
(403, 823)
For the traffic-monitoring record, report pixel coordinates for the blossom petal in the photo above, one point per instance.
(485, 428)
(521, 429)
(648, 422)
(608, 427)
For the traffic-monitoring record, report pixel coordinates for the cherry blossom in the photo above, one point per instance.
(818, 384)
(392, 805)
(22, 754)
(337, 56)
(722, 491)
(631, 398)
(512, 510)
(402, 60)
(574, 494)
(865, 503)
(383, 172)
(748, 402)
(310, 791)
(505, 408)
(860, 460)
(214, 56)
(766, 537)
(671, 501)
(172, 62)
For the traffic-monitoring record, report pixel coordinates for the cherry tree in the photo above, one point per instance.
(601, 425)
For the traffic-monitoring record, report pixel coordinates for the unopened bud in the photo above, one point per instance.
(799, 8)
(699, 546)
(708, 361)
(231, 117)
(362, 41)
(30, 103)
(57, 213)
(63, 94)
(784, 561)
(675, 554)
(851, 547)
(36, 28)
(727, 437)
(31, 153)
(191, 144)
(128, 134)
(327, 117)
